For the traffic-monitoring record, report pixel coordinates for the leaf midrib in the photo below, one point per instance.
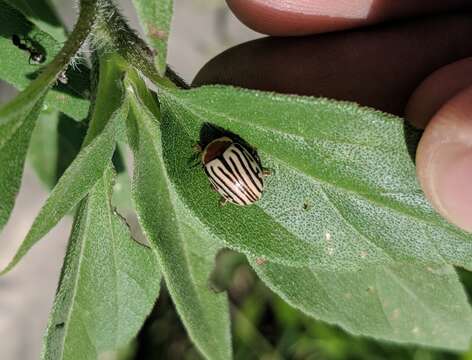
(77, 278)
(115, 261)
(351, 225)
(407, 290)
(334, 302)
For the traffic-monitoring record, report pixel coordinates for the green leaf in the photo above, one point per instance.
(43, 15)
(89, 165)
(343, 191)
(402, 303)
(155, 18)
(55, 143)
(108, 285)
(72, 187)
(185, 254)
(70, 136)
(14, 140)
(43, 150)
(16, 69)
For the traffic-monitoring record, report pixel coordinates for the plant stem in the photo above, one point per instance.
(38, 87)
(83, 28)
(109, 95)
(130, 45)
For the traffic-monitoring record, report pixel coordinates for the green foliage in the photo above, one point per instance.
(55, 143)
(91, 313)
(14, 140)
(343, 192)
(343, 231)
(43, 150)
(184, 252)
(16, 69)
(402, 302)
(89, 165)
(155, 18)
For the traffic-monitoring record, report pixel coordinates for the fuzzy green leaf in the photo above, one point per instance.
(89, 165)
(55, 143)
(402, 303)
(108, 285)
(155, 18)
(343, 191)
(72, 187)
(43, 150)
(16, 69)
(14, 139)
(185, 254)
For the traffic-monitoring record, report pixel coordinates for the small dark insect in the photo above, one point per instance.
(306, 205)
(60, 325)
(36, 57)
(233, 171)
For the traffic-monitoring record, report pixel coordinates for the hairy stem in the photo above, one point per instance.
(116, 30)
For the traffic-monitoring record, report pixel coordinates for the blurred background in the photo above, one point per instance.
(264, 327)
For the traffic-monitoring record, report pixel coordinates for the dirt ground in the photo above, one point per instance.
(201, 30)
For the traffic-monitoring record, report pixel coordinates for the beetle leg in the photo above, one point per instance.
(198, 152)
(223, 202)
(194, 162)
(196, 159)
(197, 148)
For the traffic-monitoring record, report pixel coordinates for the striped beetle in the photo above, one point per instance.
(233, 171)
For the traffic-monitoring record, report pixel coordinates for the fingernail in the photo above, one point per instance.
(451, 180)
(345, 9)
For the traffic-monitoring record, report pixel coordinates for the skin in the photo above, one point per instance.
(405, 57)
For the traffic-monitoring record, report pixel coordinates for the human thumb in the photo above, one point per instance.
(444, 154)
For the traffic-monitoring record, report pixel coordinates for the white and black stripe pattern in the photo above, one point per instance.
(237, 175)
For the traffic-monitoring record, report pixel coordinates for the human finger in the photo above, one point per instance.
(302, 17)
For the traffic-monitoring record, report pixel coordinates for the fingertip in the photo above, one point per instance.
(345, 66)
(299, 17)
(303, 17)
(436, 90)
(444, 160)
